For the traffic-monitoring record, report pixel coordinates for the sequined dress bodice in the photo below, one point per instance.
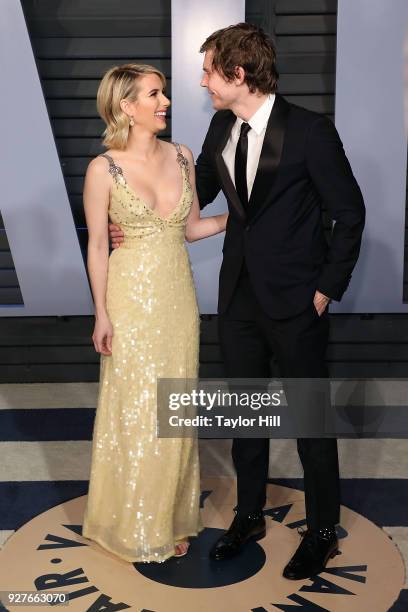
(135, 216)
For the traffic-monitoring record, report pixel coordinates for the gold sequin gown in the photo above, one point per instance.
(144, 491)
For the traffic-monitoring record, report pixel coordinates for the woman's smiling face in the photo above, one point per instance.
(150, 107)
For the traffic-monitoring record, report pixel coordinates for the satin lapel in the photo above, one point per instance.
(228, 186)
(270, 158)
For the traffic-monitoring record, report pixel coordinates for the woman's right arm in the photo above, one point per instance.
(96, 204)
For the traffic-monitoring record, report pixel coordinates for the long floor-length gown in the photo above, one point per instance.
(144, 491)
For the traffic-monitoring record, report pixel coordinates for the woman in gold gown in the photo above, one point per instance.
(143, 499)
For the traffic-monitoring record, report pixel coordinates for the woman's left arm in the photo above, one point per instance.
(197, 227)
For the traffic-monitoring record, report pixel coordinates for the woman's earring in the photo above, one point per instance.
(131, 122)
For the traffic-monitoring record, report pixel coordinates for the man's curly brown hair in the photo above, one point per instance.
(247, 46)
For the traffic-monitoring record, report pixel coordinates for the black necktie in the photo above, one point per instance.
(241, 155)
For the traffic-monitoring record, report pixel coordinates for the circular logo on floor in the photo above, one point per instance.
(49, 554)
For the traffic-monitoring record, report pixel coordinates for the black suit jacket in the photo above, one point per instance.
(302, 168)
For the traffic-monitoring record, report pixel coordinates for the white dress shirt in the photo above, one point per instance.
(256, 135)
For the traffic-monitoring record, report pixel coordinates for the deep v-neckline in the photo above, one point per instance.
(118, 170)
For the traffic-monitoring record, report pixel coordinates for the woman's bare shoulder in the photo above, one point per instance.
(168, 147)
(98, 165)
(97, 172)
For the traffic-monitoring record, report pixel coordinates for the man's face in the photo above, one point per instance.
(223, 93)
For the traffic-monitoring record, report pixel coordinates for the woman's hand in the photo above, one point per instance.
(102, 336)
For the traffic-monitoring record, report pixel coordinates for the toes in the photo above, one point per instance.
(182, 548)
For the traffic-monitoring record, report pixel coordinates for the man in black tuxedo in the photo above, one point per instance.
(277, 165)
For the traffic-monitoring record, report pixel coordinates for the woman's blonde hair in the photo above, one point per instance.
(118, 83)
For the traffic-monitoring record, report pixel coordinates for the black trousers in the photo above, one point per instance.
(249, 338)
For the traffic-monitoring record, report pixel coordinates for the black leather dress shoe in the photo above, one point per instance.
(314, 551)
(242, 530)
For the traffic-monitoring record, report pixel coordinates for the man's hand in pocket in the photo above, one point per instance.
(320, 302)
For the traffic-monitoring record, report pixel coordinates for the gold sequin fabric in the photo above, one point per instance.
(144, 491)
